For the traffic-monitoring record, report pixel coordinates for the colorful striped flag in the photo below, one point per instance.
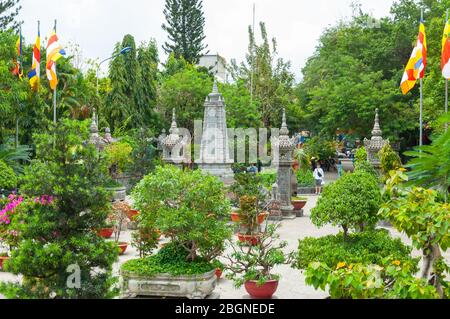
(415, 69)
(445, 60)
(54, 53)
(18, 70)
(35, 74)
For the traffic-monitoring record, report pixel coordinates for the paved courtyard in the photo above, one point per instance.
(292, 284)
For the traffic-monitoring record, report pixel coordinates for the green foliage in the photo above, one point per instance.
(268, 178)
(185, 91)
(320, 148)
(272, 79)
(362, 164)
(430, 166)
(55, 236)
(389, 160)
(8, 179)
(365, 248)
(257, 262)
(305, 178)
(392, 280)
(188, 207)
(350, 202)
(9, 10)
(303, 159)
(15, 157)
(418, 213)
(118, 156)
(184, 24)
(172, 259)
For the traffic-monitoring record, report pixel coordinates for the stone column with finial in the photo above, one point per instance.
(285, 147)
(171, 144)
(376, 143)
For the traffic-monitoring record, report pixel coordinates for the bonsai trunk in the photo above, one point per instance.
(430, 259)
(345, 228)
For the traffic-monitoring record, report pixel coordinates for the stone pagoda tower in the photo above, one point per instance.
(285, 146)
(214, 151)
(376, 143)
(171, 144)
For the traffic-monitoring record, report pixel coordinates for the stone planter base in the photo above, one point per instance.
(306, 191)
(118, 193)
(299, 213)
(192, 287)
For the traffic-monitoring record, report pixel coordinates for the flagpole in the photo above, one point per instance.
(253, 56)
(20, 67)
(446, 80)
(421, 97)
(54, 93)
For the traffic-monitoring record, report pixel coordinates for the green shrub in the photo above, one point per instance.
(305, 178)
(392, 280)
(389, 160)
(320, 148)
(352, 202)
(172, 260)
(189, 207)
(362, 164)
(8, 179)
(268, 178)
(55, 237)
(367, 248)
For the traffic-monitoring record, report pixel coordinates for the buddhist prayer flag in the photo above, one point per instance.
(18, 70)
(445, 60)
(35, 75)
(415, 69)
(54, 53)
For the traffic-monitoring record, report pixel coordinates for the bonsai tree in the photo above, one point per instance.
(352, 202)
(120, 217)
(8, 179)
(256, 262)
(118, 155)
(188, 207)
(420, 214)
(58, 238)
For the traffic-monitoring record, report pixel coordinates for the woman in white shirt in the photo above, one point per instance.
(319, 177)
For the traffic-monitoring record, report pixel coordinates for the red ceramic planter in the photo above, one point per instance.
(249, 239)
(265, 291)
(132, 213)
(219, 273)
(123, 248)
(299, 204)
(106, 232)
(2, 260)
(235, 217)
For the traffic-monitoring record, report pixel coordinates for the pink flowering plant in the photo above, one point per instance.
(10, 209)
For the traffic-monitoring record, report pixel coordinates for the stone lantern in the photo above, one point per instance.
(376, 143)
(285, 146)
(171, 145)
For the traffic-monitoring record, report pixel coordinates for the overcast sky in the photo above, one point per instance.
(96, 25)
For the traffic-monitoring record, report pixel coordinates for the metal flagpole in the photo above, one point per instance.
(54, 93)
(446, 80)
(20, 67)
(421, 97)
(253, 56)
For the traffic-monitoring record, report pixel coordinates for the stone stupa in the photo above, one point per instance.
(215, 151)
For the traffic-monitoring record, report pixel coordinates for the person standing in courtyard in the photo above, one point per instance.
(319, 176)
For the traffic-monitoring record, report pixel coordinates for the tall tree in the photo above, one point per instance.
(272, 79)
(124, 72)
(185, 28)
(9, 9)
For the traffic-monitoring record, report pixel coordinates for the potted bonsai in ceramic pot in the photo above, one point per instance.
(252, 266)
(118, 157)
(251, 193)
(299, 202)
(190, 209)
(120, 210)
